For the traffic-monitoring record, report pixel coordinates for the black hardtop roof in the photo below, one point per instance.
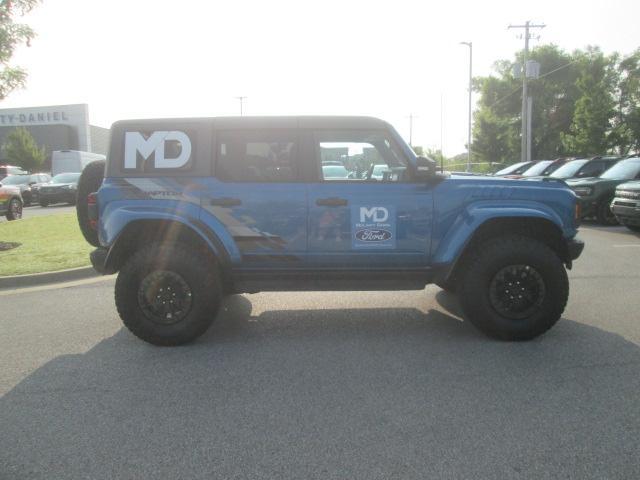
(355, 122)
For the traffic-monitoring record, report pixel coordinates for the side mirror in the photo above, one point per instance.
(425, 168)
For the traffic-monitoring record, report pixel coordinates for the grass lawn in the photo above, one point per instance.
(51, 242)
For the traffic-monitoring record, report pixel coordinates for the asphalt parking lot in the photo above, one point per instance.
(372, 385)
(38, 211)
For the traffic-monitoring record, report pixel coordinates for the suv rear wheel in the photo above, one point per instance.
(89, 182)
(513, 288)
(167, 295)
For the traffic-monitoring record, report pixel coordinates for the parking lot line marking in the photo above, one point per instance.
(622, 245)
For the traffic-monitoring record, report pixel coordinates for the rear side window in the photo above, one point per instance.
(592, 169)
(257, 156)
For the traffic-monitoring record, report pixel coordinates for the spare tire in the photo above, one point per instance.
(90, 181)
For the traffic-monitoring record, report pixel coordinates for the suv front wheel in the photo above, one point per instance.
(167, 295)
(14, 209)
(513, 288)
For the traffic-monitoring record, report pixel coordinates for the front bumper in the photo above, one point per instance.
(588, 206)
(574, 248)
(627, 211)
(58, 197)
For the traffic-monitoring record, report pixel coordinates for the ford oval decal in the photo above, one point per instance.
(373, 235)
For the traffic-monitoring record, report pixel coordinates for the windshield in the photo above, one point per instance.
(625, 170)
(537, 168)
(512, 168)
(568, 170)
(16, 180)
(66, 178)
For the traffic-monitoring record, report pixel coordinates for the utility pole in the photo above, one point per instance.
(529, 122)
(470, 45)
(525, 155)
(241, 102)
(441, 135)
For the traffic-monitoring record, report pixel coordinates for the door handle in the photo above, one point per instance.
(225, 202)
(331, 202)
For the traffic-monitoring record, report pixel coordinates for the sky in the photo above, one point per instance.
(389, 59)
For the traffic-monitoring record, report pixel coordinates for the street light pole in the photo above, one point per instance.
(241, 101)
(470, 45)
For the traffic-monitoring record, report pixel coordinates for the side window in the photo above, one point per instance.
(592, 169)
(359, 156)
(256, 156)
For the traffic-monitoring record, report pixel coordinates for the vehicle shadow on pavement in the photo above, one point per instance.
(336, 393)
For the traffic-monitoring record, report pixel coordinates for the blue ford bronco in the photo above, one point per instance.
(190, 210)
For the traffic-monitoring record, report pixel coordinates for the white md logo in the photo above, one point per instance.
(135, 143)
(374, 214)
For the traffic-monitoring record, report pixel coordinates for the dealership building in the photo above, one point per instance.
(56, 127)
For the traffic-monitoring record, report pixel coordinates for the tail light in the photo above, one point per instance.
(92, 210)
(578, 212)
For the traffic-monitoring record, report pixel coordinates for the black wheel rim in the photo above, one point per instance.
(16, 209)
(517, 291)
(165, 297)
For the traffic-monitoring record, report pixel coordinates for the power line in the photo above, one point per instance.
(541, 76)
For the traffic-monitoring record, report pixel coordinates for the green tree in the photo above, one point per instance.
(626, 130)
(12, 35)
(498, 116)
(591, 129)
(21, 149)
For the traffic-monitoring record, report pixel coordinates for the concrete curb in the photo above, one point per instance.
(34, 279)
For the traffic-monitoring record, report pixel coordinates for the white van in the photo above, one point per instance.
(71, 161)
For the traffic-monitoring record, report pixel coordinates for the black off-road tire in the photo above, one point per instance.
(485, 264)
(14, 209)
(89, 182)
(200, 276)
(633, 228)
(604, 215)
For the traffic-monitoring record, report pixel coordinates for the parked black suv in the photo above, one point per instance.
(29, 185)
(596, 194)
(62, 188)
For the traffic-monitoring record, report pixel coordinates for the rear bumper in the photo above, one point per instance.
(98, 260)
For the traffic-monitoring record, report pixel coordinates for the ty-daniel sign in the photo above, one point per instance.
(373, 226)
(136, 144)
(34, 117)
